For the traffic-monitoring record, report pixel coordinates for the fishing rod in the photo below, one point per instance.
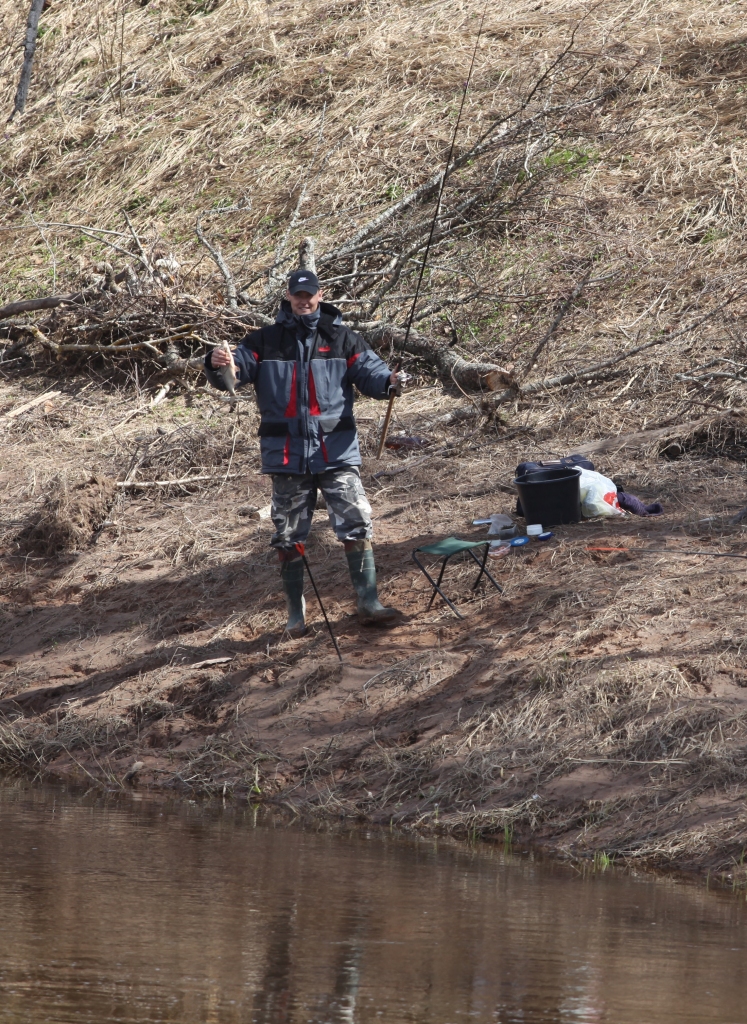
(434, 222)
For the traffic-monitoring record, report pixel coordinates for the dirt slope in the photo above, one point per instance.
(598, 704)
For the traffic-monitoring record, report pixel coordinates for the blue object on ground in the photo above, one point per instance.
(519, 542)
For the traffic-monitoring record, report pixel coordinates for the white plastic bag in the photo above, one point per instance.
(598, 495)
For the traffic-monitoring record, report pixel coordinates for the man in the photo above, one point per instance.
(303, 368)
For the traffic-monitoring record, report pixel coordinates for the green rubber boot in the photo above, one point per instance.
(371, 612)
(291, 574)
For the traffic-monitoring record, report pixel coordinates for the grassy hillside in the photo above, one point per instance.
(629, 160)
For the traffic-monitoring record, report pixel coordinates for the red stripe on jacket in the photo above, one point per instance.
(353, 359)
(287, 450)
(314, 409)
(290, 409)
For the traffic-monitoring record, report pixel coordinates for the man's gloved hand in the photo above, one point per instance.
(397, 381)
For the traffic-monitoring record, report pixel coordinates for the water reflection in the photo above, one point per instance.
(153, 912)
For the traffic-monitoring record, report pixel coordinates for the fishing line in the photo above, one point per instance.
(437, 211)
(434, 222)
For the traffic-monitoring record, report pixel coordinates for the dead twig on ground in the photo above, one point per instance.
(48, 396)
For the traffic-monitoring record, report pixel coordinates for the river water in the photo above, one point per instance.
(112, 910)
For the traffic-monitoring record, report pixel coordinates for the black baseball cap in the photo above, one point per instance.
(303, 281)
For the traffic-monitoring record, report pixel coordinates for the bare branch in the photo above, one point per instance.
(183, 482)
(143, 254)
(29, 49)
(221, 264)
(52, 301)
(564, 307)
(436, 354)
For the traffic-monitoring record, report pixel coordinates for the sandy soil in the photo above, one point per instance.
(599, 704)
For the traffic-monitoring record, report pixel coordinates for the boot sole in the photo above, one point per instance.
(370, 620)
(296, 632)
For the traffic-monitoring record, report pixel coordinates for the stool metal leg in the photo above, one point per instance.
(438, 582)
(484, 569)
(436, 586)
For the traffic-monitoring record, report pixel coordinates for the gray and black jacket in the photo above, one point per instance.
(303, 371)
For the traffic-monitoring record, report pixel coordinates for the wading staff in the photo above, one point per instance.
(388, 417)
(308, 570)
(436, 212)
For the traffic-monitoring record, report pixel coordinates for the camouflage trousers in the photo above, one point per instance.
(294, 500)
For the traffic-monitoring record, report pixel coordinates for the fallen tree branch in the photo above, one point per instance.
(29, 49)
(5, 363)
(254, 318)
(52, 301)
(217, 257)
(442, 358)
(143, 255)
(474, 374)
(147, 484)
(564, 307)
(607, 444)
(707, 377)
(430, 186)
(169, 359)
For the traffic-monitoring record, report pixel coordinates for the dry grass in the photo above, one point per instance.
(31, 747)
(627, 160)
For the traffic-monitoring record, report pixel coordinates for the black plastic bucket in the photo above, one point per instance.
(550, 496)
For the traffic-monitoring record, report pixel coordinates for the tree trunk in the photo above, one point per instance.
(52, 301)
(307, 255)
(29, 49)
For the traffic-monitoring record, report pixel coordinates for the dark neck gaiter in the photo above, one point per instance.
(310, 321)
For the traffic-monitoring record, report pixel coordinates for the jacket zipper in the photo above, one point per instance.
(306, 370)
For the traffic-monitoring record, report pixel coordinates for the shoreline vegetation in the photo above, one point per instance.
(585, 292)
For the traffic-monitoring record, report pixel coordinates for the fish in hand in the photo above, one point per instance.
(228, 372)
